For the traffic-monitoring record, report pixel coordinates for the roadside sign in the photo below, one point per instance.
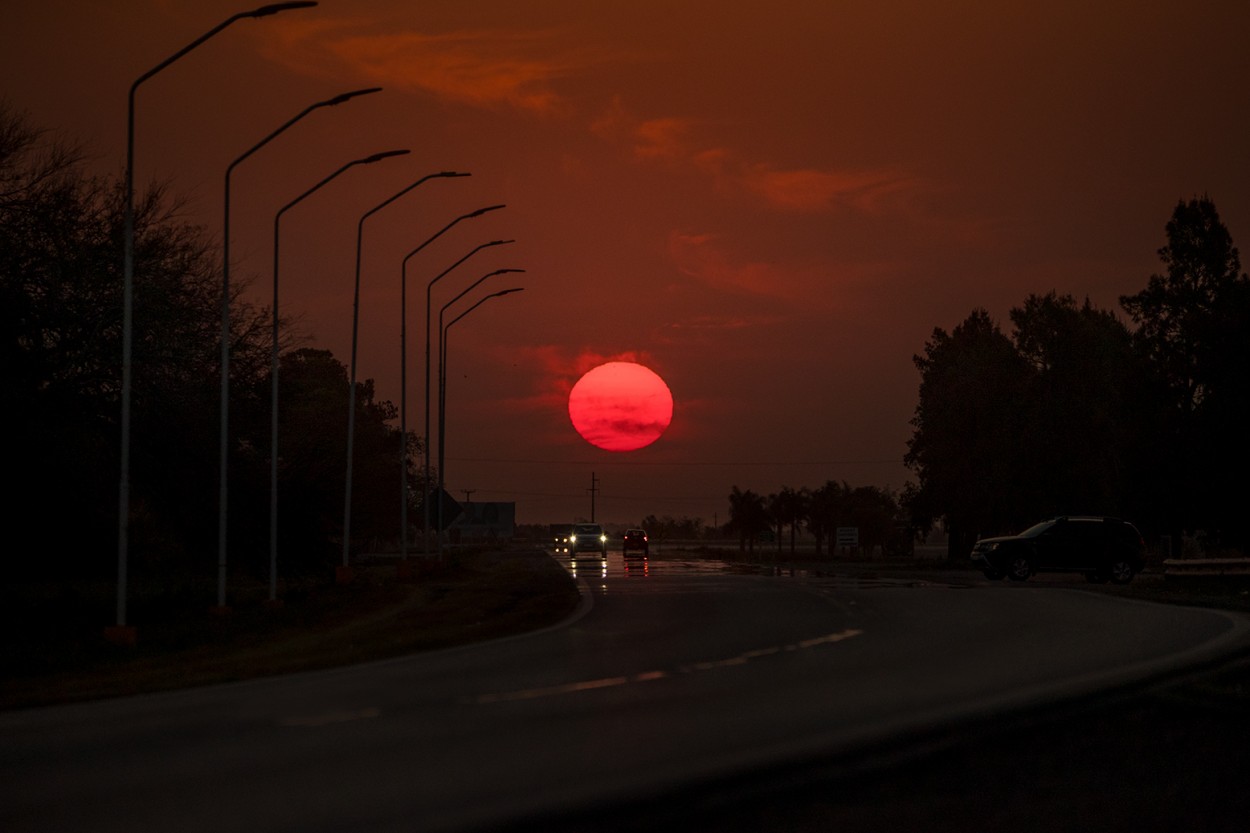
(451, 510)
(848, 536)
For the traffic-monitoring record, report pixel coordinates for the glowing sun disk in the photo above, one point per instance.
(620, 406)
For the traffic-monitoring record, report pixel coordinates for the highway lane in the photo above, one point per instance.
(669, 673)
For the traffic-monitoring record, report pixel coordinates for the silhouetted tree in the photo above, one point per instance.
(1083, 416)
(791, 509)
(824, 507)
(966, 443)
(748, 516)
(874, 512)
(61, 294)
(775, 512)
(1222, 421)
(668, 527)
(61, 238)
(1194, 325)
(1178, 313)
(1079, 415)
(59, 388)
(312, 460)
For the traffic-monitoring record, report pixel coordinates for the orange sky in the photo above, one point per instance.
(771, 209)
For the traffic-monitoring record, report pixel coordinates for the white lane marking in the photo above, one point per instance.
(549, 691)
(648, 676)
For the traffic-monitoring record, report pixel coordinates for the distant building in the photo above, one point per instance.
(484, 523)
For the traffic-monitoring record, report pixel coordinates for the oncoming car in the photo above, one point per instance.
(1104, 549)
(635, 540)
(588, 538)
(560, 539)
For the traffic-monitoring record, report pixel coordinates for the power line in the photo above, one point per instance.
(507, 493)
(695, 463)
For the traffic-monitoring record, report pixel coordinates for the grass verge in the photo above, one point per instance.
(56, 652)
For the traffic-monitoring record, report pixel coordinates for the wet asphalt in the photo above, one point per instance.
(1173, 755)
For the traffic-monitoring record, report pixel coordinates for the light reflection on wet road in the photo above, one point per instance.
(604, 574)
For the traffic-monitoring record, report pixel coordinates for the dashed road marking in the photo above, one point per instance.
(650, 676)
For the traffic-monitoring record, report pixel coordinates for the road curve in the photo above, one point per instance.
(669, 673)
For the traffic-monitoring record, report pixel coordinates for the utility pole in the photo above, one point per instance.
(594, 487)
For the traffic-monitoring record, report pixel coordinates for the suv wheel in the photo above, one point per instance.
(1121, 571)
(1019, 568)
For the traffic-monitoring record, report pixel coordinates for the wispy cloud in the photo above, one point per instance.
(706, 259)
(809, 190)
(484, 67)
(675, 141)
(559, 367)
(711, 261)
(665, 139)
(525, 69)
(720, 323)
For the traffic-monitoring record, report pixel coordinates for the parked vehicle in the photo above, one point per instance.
(1104, 549)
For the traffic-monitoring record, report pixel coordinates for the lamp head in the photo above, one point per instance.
(378, 157)
(274, 8)
(339, 99)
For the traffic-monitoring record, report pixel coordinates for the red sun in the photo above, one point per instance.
(620, 406)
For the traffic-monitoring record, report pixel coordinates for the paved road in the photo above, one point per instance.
(671, 673)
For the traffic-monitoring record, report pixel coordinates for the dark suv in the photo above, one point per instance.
(1101, 548)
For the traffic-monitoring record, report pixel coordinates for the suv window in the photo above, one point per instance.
(1037, 529)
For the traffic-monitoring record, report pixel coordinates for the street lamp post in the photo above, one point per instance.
(429, 289)
(463, 292)
(403, 377)
(403, 381)
(122, 631)
(273, 374)
(442, 380)
(224, 439)
(344, 574)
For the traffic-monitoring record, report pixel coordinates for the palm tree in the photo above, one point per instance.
(792, 508)
(823, 507)
(747, 515)
(776, 503)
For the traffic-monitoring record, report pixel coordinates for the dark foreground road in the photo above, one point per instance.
(1174, 757)
(688, 698)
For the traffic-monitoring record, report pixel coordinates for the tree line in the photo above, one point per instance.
(1077, 412)
(1074, 411)
(61, 241)
(874, 512)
